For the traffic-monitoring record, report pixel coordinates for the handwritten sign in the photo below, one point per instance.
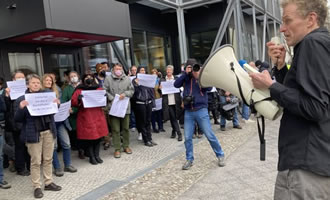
(41, 103)
(17, 88)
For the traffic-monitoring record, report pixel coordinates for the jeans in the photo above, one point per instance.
(245, 111)
(1, 156)
(64, 139)
(156, 116)
(235, 117)
(201, 117)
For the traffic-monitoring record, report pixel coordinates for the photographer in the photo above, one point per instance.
(225, 98)
(195, 105)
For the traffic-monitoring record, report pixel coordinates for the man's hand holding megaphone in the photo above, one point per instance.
(261, 80)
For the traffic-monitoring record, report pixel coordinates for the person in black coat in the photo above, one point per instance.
(172, 105)
(144, 101)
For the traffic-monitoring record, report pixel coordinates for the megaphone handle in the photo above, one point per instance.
(261, 132)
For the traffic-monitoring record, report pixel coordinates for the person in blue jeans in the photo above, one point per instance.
(195, 106)
(3, 183)
(226, 97)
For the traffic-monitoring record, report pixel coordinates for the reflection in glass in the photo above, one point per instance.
(27, 62)
(156, 52)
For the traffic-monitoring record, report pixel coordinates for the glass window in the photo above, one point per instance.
(201, 45)
(156, 52)
(96, 54)
(140, 49)
(59, 63)
(27, 62)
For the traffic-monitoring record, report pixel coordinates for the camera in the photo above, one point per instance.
(196, 67)
(188, 100)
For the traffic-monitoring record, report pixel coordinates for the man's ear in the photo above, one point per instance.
(312, 19)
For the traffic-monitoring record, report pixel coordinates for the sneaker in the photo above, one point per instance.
(140, 137)
(223, 128)
(153, 143)
(38, 193)
(133, 129)
(238, 127)
(4, 185)
(58, 172)
(70, 169)
(162, 130)
(117, 154)
(221, 161)
(128, 150)
(106, 145)
(188, 164)
(53, 187)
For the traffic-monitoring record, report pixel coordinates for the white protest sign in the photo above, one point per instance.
(17, 88)
(168, 87)
(41, 103)
(147, 80)
(94, 98)
(158, 103)
(119, 107)
(108, 73)
(63, 112)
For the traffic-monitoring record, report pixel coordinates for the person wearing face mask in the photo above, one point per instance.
(118, 83)
(66, 96)
(100, 74)
(91, 122)
(22, 158)
(144, 99)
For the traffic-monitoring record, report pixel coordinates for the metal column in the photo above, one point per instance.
(255, 30)
(182, 32)
(275, 28)
(238, 29)
(264, 33)
(224, 24)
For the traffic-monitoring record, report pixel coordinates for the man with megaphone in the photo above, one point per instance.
(195, 106)
(304, 93)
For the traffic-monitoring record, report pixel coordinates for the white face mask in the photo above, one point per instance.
(20, 79)
(74, 79)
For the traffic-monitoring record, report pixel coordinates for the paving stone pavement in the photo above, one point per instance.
(149, 173)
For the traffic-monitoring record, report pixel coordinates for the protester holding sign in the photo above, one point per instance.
(61, 133)
(66, 96)
(172, 105)
(38, 133)
(156, 115)
(120, 84)
(144, 101)
(22, 158)
(91, 123)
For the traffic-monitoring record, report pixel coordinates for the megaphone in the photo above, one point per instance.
(222, 70)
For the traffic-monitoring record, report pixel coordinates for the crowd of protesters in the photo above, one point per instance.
(30, 144)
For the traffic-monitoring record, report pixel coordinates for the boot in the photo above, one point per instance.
(97, 152)
(92, 159)
(179, 136)
(173, 134)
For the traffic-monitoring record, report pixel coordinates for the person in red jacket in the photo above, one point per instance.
(91, 123)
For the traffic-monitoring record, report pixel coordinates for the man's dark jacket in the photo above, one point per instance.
(30, 124)
(304, 93)
(191, 87)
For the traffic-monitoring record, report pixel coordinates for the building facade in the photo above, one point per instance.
(54, 36)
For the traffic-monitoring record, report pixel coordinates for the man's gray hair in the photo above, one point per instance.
(305, 7)
(170, 67)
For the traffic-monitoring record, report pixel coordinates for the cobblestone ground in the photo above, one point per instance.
(149, 173)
